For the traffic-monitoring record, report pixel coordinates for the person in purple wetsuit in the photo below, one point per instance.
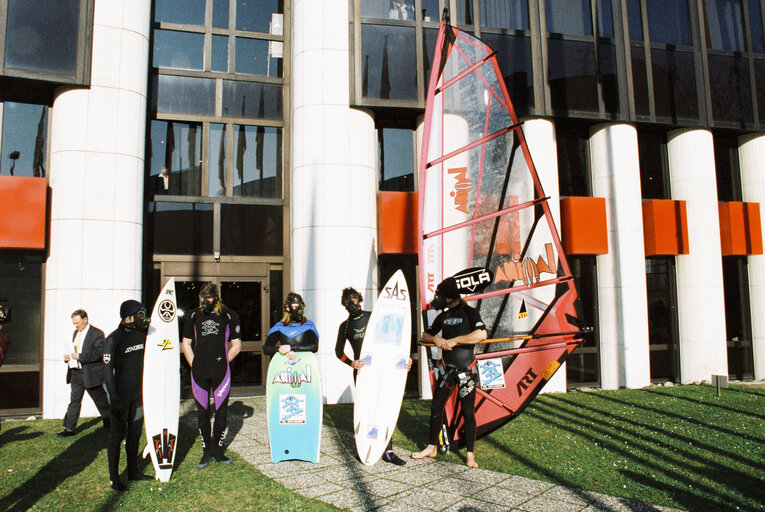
(211, 340)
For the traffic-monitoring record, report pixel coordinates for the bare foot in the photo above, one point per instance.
(470, 460)
(430, 451)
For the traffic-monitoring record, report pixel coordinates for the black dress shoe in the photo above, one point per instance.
(392, 458)
(118, 486)
(66, 433)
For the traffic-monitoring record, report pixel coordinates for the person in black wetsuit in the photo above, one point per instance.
(213, 329)
(461, 327)
(123, 377)
(352, 330)
(294, 332)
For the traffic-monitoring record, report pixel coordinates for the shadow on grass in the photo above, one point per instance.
(657, 456)
(680, 416)
(82, 451)
(706, 403)
(17, 434)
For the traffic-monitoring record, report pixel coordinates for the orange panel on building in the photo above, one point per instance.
(584, 229)
(665, 227)
(397, 223)
(740, 229)
(24, 213)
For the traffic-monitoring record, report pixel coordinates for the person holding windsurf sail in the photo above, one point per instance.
(213, 328)
(352, 330)
(461, 327)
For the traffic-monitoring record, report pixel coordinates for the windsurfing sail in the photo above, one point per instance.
(484, 217)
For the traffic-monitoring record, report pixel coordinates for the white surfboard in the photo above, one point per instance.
(162, 383)
(380, 383)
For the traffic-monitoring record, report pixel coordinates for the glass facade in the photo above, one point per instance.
(23, 140)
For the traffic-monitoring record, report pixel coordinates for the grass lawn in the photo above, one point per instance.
(39, 471)
(681, 447)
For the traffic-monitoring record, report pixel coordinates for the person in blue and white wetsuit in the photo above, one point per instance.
(294, 332)
(213, 329)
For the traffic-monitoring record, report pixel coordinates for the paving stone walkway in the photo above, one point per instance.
(341, 480)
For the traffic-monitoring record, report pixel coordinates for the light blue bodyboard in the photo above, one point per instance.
(294, 408)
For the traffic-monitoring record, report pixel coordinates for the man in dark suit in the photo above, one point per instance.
(85, 372)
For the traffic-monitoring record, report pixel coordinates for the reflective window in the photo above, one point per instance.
(514, 58)
(219, 57)
(389, 67)
(465, 12)
(652, 150)
(21, 284)
(258, 57)
(23, 139)
(668, 21)
(509, 14)
(727, 168)
(258, 165)
(258, 15)
(755, 22)
(674, 85)
(640, 81)
(216, 177)
(184, 95)
(188, 12)
(605, 19)
(252, 100)
(220, 14)
(738, 317)
(182, 228)
(759, 81)
(569, 17)
(178, 50)
(635, 21)
(176, 147)
(725, 24)
(608, 79)
(251, 230)
(573, 173)
(730, 89)
(573, 79)
(430, 10)
(42, 35)
(396, 159)
(391, 9)
(662, 323)
(582, 367)
(429, 37)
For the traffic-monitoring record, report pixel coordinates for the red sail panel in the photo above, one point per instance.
(482, 205)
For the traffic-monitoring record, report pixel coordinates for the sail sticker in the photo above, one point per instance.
(483, 212)
(491, 374)
(522, 313)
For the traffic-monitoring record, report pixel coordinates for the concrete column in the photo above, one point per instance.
(97, 175)
(622, 299)
(700, 298)
(334, 178)
(540, 136)
(751, 153)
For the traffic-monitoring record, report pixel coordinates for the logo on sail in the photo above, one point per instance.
(462, 187)
(527, 270)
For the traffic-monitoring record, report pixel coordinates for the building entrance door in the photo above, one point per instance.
(243, 288)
